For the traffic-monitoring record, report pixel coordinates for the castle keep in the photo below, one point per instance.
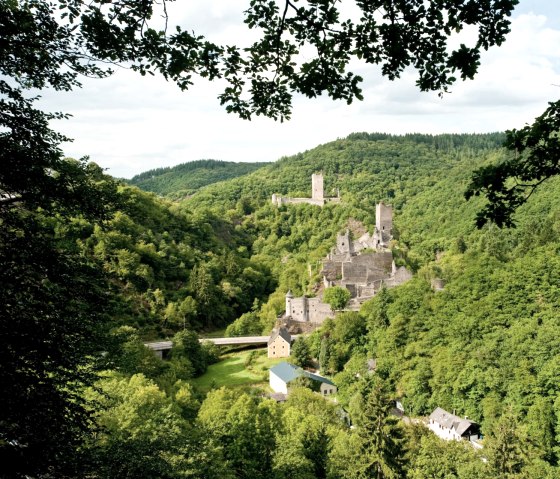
(317, 195)
(362, 266)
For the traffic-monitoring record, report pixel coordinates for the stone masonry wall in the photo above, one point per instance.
(299, 309)
(332, 270)
(318, 311)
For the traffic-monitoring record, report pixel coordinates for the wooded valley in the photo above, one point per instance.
(486, 346)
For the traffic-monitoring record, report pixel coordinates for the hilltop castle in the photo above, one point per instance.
(362, 266)
(317, 194)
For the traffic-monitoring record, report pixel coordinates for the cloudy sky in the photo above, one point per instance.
(129, 124)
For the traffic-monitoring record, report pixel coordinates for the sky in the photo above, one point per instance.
(129, 124)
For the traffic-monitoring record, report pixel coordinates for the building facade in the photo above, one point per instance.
(279, 344)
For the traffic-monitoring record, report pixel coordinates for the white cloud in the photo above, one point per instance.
(130, 123)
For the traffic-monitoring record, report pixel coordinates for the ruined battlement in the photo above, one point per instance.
(363, 266)
(317, 195)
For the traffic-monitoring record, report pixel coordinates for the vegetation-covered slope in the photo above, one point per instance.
(183, 180)
(174, 268)
(366, 168)
(486, 346)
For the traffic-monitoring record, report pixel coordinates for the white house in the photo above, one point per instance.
(284, 373)
(450, 427)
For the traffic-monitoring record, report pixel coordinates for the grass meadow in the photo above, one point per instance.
(241, 368)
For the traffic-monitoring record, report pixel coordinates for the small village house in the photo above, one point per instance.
(279, 344)
(450, 427)
(284, 373)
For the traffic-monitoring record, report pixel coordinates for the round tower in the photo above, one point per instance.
(289, 297)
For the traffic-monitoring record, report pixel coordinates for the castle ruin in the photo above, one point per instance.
(317, 194)
(362, 266)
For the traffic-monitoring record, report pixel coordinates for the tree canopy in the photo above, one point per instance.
(55, 264)
(337, 297)
(534, 158)
(303, 47)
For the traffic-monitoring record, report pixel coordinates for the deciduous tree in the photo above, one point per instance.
(336, 297)
(534, 157)
(300, 355)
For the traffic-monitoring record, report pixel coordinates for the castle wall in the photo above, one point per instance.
(375, 275)
(318, 311)
(317, 195)
(299, 311)
(354, 272)
(401, 275)
(365, 241)
(283, 200)
(367, 267)
(332, 270)
(350, 287)
(344, 244)
(365, 291)
(312, 310)
(338, 257)
(381, 266)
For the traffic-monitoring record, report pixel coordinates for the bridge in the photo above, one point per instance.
(159, 347)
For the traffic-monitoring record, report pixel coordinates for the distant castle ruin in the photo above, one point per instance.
(362, 266)
(317, 194)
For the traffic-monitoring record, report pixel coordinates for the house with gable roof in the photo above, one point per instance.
(279, 343)
(284, 373)
(450, 427)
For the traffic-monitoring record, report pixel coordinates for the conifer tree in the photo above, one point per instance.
(381, 439)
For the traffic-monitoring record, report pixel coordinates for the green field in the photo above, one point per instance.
(232, 370)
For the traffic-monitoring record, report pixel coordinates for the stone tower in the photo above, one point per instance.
(289, 297)
(344, 243)
(384, 219)
(317, 187)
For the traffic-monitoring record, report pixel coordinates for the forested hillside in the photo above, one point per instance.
(485, 346)
(91, 267)
(173, 268)
(365, 168)
(183, 180)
